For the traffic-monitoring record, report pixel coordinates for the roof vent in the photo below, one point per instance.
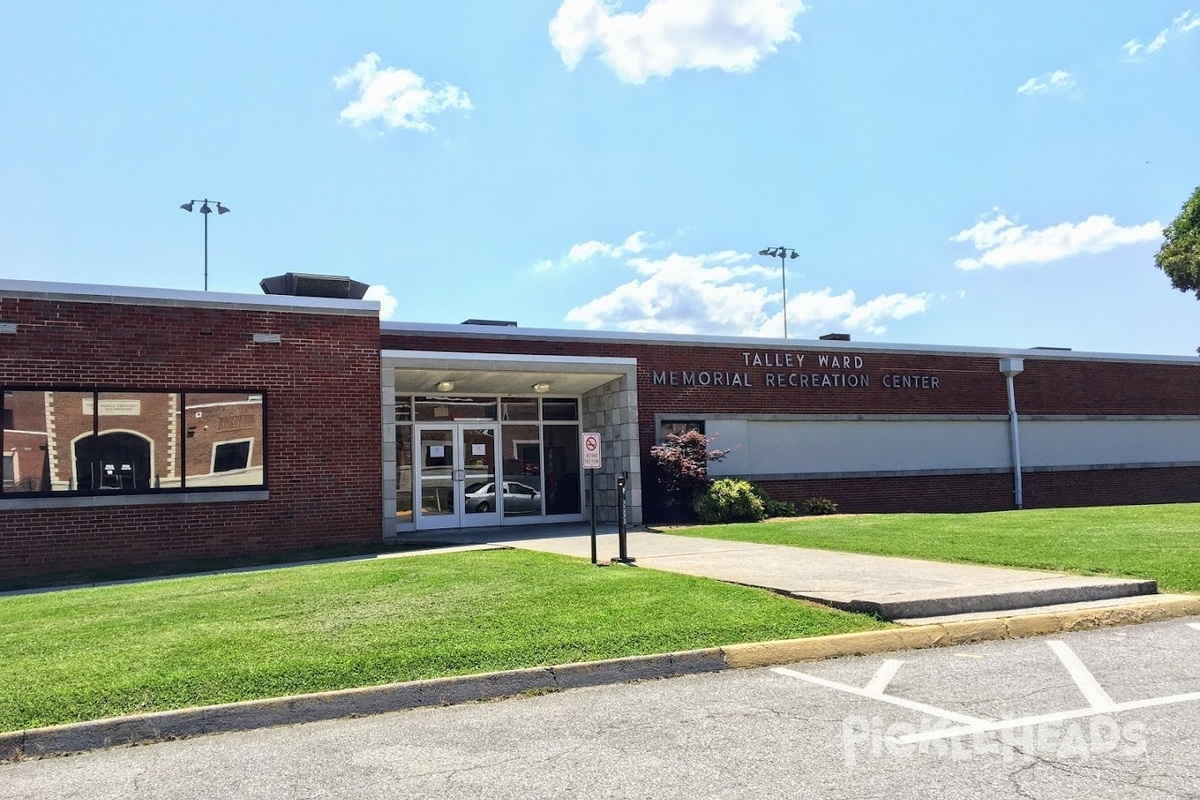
(499, 323)
(836, 337)
(296, 284)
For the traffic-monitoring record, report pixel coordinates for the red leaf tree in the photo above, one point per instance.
(683, 465)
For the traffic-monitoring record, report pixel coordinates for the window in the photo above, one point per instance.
(99, 442)
(222, 442)
(404, 409)
(560, 409)
(519, 409)
(449, 409)
(229, 456)
(560, 459)
(404, 471)
(679, 426)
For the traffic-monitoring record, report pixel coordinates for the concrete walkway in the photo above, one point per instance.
(892, 588)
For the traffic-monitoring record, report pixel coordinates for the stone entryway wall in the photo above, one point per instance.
(611, 410)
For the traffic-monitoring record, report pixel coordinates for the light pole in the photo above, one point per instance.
(783, 254)
(205, 210)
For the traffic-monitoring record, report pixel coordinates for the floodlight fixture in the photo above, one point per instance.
(783, 254)
(205, 210)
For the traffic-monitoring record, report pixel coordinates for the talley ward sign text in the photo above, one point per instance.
(779, 369)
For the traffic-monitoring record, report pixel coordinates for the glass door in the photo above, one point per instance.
(456, 476)
(481, 491)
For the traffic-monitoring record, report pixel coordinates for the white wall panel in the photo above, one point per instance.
(798, 447)
(1057, 443)
(729, 434)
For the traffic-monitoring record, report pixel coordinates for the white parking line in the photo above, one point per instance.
(897, 701)
(884, 676)
(967, 730)
(1092, 691)
(1195, 625)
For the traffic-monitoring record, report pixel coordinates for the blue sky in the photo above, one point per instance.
(949, 173)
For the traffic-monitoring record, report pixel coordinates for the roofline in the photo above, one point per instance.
(684, 340)
(185, 298)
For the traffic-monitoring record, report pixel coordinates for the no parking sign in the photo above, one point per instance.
(590, 446)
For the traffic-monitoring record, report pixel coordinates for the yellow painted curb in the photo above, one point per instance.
(767, 654)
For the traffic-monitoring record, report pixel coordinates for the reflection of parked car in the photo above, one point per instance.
(518, 498)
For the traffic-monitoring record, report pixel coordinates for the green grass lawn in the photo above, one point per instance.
(89, 653)
(1160, 542)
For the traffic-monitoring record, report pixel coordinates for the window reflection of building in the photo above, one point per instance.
(404, 464)
(678, 427)
(24, 442)
(223, 433)
(130, 441)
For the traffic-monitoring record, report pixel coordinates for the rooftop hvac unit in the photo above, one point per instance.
(296, 284)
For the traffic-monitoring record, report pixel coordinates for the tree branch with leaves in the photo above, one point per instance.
(1179, 256)
(682, 461)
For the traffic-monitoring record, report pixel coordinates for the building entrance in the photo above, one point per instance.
(456, 476)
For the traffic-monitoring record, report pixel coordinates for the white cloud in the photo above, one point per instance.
(1050, 83)
(1185, 23)
(1002, 243)
(721, 293)
(668, 35)
(387, 303)
(870, 315)
(634, 242)
(396, 97)
(586, 251)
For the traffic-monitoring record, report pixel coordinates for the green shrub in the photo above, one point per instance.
(816, 506)
(778, 508)
(773, 508)
(729, 500)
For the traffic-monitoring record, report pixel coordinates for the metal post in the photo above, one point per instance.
(206, 250)
(622, 527)
(1016, 442)
(783, 264)
(592, 508)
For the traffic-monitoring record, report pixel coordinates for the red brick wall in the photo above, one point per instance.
(924, 493)
(994, 492)
(323, 427)
(967, 384)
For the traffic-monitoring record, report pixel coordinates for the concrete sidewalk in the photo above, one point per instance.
(892, 588)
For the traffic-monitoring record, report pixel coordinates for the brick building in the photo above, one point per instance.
(152, 425)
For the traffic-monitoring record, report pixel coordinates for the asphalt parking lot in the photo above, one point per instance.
(1108, 713)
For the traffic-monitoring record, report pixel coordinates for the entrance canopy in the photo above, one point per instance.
(493, 438)
(420, 372)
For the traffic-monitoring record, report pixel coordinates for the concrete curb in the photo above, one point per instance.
(997, 602)
(347, 703)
